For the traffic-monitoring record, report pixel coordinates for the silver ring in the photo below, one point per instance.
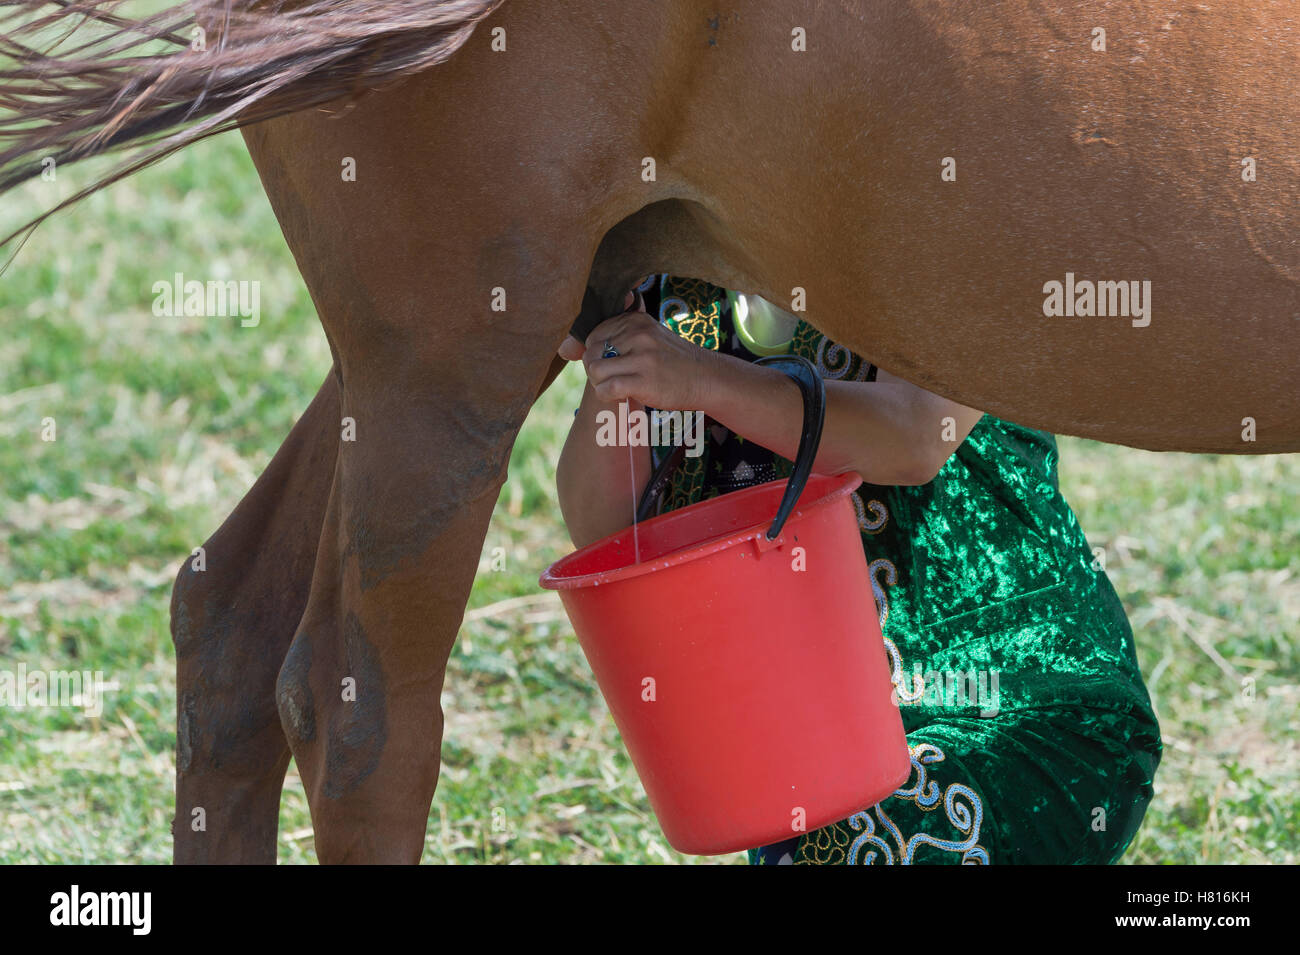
(610, 351)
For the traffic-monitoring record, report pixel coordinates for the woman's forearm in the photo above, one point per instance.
(889, 432)
(598, 486)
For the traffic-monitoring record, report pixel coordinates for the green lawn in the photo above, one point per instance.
(163, 423)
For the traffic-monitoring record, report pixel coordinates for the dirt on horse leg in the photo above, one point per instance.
(232, 622)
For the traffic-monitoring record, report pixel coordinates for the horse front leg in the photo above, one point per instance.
(446, 272)
(433, 392)
(359, 691)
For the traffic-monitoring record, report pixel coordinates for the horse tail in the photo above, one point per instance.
(77, 78)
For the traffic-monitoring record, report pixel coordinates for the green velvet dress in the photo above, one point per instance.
(1031, 732)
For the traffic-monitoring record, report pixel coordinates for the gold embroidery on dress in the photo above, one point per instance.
(966, 817)
(903, 697)
(834, 844)
(691, 308)
(879, 514)
(891, 578)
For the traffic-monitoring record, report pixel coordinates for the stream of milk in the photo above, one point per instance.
(636, 535)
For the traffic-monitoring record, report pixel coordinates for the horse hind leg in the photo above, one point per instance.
(232, 623)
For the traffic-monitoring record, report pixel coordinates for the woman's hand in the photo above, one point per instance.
(654, 365)
(573, 350)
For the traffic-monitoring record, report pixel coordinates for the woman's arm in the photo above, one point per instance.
(889, 431)
(599, 487)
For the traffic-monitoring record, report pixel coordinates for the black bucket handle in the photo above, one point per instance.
(813, 390)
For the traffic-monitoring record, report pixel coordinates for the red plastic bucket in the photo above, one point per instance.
(747, 676)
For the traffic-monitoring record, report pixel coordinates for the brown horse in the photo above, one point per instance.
(1082, 219)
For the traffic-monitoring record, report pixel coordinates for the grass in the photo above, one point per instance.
(161, 424)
